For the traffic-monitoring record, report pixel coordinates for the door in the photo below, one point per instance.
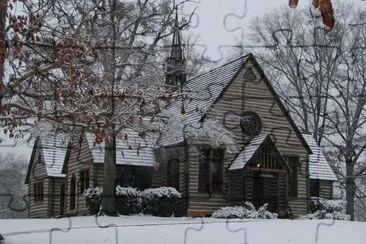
(265, 190)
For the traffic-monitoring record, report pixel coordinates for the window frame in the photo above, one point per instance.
(173, 174)
(38, 192)
(206, 185)
(293, 178)
(314, 183)
(84, 180)
(72, 200)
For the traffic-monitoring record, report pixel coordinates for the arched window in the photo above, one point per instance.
(72, 192)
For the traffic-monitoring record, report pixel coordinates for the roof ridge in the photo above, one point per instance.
(232, 61)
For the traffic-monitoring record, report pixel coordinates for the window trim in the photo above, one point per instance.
(171, 178)
(316, 183)
(84, 180)
(209, 180)
(294, 163)
(38, 192)
(72, 202)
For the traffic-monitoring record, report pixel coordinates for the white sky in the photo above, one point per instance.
(213, 33)
(212, 13)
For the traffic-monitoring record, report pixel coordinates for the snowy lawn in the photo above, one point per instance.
(146, 229)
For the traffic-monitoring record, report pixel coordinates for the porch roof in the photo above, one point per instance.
(131, 148)
(247, 153)
(319, 167)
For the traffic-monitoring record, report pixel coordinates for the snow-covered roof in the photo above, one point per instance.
(247, 153)
(54, 152)
(200, 93)
(318, 165)
(132, 148)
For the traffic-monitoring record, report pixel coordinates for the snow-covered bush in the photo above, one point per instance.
(326, 209)
(247, 211)
(159, 201)
(93, 199)
(161, 192)
(154, 201)
(128, 200)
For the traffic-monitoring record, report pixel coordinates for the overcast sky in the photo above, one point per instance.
(209, 24)
(212, 14)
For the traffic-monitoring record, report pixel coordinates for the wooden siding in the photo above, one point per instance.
(80, 159)
(237, 192)
(159, 176)
(325, 189)
(56, 193)
(243, 96)
(38, 174)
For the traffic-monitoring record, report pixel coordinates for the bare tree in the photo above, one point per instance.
(89, 65)
(12, 187)
(320, 76)
(3, 12)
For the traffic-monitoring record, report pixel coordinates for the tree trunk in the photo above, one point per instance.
(3, 10)
(109, 187)
(350, 189)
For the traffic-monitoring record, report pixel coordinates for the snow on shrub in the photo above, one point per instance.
(155, 201)
(247, 211)
(326, 209)
(127, 191)
(161, 192)
(159, 201)
(128, 200)
(93, 199)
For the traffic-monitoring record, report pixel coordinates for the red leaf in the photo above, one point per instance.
(293, 3)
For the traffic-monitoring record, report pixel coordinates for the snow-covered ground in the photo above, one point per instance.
(146, 229)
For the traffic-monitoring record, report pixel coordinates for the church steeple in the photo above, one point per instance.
(176, 64)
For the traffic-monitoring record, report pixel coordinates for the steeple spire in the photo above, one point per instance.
(176, 51)
(176, 64)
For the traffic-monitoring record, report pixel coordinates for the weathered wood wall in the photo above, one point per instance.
(159, 176)
(241, 96)
(80, 159)
(55, 188)
(325, 189)
(38, 174)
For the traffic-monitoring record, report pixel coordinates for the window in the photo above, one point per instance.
(72, 192)
(38, 191)
(127, 176)
(211, 172)
(84, 180)
(173, 174)
(314, 188)
(293, 162)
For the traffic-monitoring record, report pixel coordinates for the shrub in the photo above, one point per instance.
(326, 209)
(247, 211)
(93, 199)
(128, 200)
(159, 201)
(155, 201)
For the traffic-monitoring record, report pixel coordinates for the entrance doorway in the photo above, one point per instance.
(265, 190)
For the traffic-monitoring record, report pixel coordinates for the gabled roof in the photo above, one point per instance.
(252, 148)
(318, 165)
(248, 152)
(203, 91)
(131, 148)
(53, 150)
(200, 93)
